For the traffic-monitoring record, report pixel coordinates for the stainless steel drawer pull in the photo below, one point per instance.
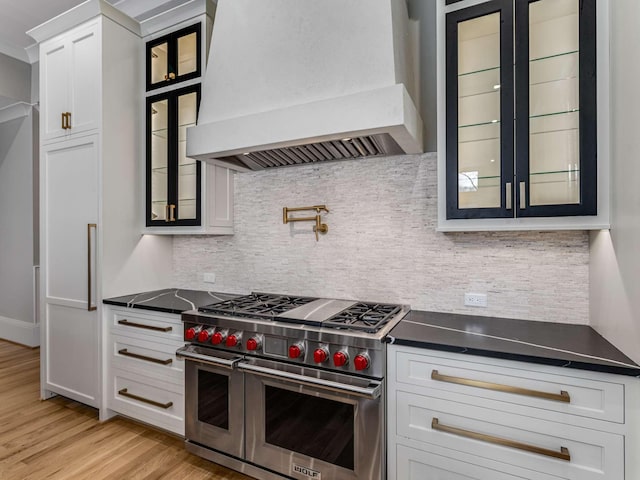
(563, 454)
(125, 393)
(558, 397)
(127, 323)
(126, 353)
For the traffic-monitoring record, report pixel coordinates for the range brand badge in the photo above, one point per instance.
(307, 472)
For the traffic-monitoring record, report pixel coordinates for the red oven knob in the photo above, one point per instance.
(233, 340)
(204, 335)
(340, 359)
(296, 350)
(361, 362)
(218, 338)
(320, 355)
(253, 343)
(192, 332)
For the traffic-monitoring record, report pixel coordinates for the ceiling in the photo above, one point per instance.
(19, 16)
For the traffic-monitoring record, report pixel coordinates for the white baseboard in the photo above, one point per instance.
(16, 331)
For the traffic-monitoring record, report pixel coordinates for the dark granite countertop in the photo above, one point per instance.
(169, 300)
(557, 344)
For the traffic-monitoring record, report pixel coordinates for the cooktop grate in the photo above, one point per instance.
(257, 305)
(367, 317)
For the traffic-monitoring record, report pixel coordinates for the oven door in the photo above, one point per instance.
(311, 424)
(214, 399)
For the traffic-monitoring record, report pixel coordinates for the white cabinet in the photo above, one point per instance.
(70, 76)
(90, 191)
(457, 416)
(145, 379)
(69, 211)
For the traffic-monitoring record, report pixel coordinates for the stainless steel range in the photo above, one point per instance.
(284, 387)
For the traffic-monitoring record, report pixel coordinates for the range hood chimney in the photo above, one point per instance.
(300, 81)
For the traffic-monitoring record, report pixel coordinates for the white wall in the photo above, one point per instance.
(17, 322)
(615, 255)
(382, 246)
(14, 80)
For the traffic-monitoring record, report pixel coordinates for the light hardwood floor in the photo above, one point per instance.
(61, 439)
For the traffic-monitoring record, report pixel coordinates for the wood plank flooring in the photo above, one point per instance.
(60, 439)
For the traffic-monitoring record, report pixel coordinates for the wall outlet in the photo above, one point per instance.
(475, 299)
(210, 277)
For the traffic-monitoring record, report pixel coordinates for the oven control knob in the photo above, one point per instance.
(233, 340)
(192, 332)
(218, 338)
(361, 362)
(320, 355)
(204, 335)
(253, 343)
(296, 350)
(340, 359)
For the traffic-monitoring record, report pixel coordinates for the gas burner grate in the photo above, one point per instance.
(257, 305)
(367, 317)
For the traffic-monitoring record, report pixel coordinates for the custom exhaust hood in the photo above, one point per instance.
(300, 81)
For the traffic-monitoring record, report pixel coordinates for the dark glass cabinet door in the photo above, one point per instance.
(479, 110)
(556, 127)
(173, 179)
(174, 58)
(528, 150)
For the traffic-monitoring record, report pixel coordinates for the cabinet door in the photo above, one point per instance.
(54, 78)
(69, 222)
(479, 99)
(70, 78)
(556, 125)
(84, 79)
(174, 58)
(173, 179)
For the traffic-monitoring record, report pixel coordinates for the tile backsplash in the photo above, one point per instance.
(382, 246)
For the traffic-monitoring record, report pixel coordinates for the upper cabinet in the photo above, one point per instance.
(183, 195)
(174, 57)
(70, 75)
(524, 145)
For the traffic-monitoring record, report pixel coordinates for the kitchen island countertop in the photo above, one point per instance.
(169, 300)
(557, 344)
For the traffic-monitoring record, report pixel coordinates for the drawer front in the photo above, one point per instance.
(146, 325)
(150, 358)
(413, 464)
(532, 393)
(514, 440)
(146, 399)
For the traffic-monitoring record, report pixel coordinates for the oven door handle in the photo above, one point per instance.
(372, 392)
(186, 353)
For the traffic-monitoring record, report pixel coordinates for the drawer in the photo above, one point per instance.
(528, 392)
(147, 357)
(516, 441)
(146, 399)
(414, 464)
(146, 325)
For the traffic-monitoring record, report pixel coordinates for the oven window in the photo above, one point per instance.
(313, 426)
(213, 399)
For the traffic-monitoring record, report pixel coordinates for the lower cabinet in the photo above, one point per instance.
(457, 416)
(144, 378)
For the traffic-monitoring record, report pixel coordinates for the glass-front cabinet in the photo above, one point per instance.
(521, 123)
(174, 58)
(173, 179)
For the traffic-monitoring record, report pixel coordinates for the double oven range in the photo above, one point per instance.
(282, 387)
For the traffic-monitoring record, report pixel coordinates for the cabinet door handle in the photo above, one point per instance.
(63, 120)
(127, 323)
(558, 397)
(124, 392)
(90, 305)
(507, 188)
(69, 120)
(166, 213)
(172, 212)
(523, 192)
(126, 353)
(563, 454)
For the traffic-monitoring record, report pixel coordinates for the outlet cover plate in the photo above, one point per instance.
(209, 278)
(475, 299)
